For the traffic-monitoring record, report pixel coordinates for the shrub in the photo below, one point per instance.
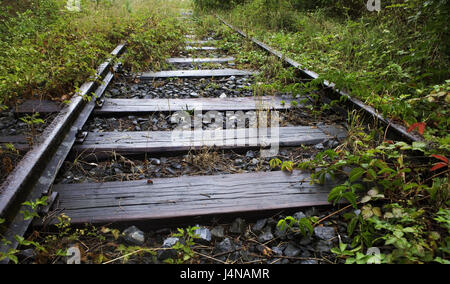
(47, 51)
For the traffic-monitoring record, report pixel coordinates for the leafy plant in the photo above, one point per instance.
(287, 166)
(274, 163)
(32, 121)
(33, 206)
(303, 225)
(184, 246)
(47, 51)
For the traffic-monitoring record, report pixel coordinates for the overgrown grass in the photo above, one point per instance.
(396, 60)
(47, 51)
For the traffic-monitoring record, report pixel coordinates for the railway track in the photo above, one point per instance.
(156, 125)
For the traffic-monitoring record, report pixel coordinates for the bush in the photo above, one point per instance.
(216, 4)
(47, 51)
(396, 60)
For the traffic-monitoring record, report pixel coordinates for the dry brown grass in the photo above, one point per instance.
(205, 159)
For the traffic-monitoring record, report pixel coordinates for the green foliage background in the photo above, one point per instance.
(396, 60)
(47, 51)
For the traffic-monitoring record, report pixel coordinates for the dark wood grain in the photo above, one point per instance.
(200, 48)
(183, 60)
(40, 106)
(114, 106)
(189, 196)
(20, 142)
(194, 73)
(135, 142)
(13, 139)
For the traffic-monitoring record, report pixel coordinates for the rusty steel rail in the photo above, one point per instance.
(34, 175)
(352, 102)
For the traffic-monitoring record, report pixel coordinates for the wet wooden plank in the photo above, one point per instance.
(13, 139)
(206, 48)
(40, 106)
(200, 41)
(189, 196)
(194, 73)
(115, 106)
(183, 60)
(19, 142)
(137, 142)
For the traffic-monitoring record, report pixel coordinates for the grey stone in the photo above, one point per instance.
(291, 250)
(265, 237)
(134, 236)
(277, 250)
(284, 261)
(323, 246)
(168, 253)
(155, 161)
(259, 225)
(332, 143)
(282, 234)
(309, 261)
(218, 232)
(171, 171)
(170, 242)
(204, 236)
(225, 245)
(305, 241)
(238, 226)
(272, 223)
(324, 233)
(250, 154)
(299, 215)
(114, 92)
(305, 253)
(319, 147)
(176, 166)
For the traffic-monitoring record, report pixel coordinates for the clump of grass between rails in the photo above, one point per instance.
(46, 52)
